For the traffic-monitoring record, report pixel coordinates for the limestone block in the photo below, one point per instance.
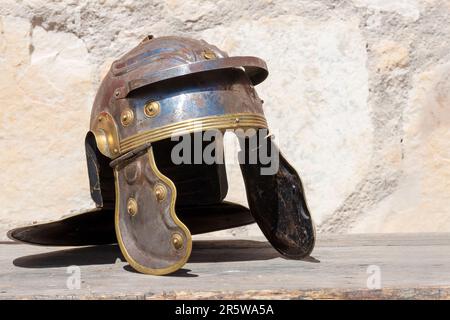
(422, 199)
(46, 91)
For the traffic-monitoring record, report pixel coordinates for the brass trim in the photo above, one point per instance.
(105, 131)
(152, 109)
(126, 117)
(228, 121)
(177, 221)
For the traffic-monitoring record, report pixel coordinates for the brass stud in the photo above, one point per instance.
(208, 55)
(177, 241)
(132, 207)
(152, 109)
(126, 117)
(115, 150)
(237, 120)
(160, 192)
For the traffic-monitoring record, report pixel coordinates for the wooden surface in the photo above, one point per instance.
(410, 265)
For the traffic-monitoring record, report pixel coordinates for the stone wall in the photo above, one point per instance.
(359, 93)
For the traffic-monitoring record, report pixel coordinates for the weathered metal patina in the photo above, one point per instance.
(166, 87)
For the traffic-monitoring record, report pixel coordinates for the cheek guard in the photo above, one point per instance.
(168, 88)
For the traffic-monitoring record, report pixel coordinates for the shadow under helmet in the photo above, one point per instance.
(163, 88)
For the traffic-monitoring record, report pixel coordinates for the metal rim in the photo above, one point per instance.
(255, 68)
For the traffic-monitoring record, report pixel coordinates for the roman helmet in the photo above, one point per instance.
(163, 91)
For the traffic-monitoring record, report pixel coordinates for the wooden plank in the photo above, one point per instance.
(410, 266)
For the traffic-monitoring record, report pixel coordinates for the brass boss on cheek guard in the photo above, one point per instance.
(163, 91)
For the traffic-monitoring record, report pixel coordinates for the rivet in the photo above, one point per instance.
(236, 120)
(177, 241)
(132, 207)
(117, 93)
(160, 192)
(100, 119)
(126, 117)
(208, 55)
(115, 150)
(152, 109)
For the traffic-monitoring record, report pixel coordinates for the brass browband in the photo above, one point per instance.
(228, 121)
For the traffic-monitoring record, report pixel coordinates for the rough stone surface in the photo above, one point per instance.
(357, 96)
